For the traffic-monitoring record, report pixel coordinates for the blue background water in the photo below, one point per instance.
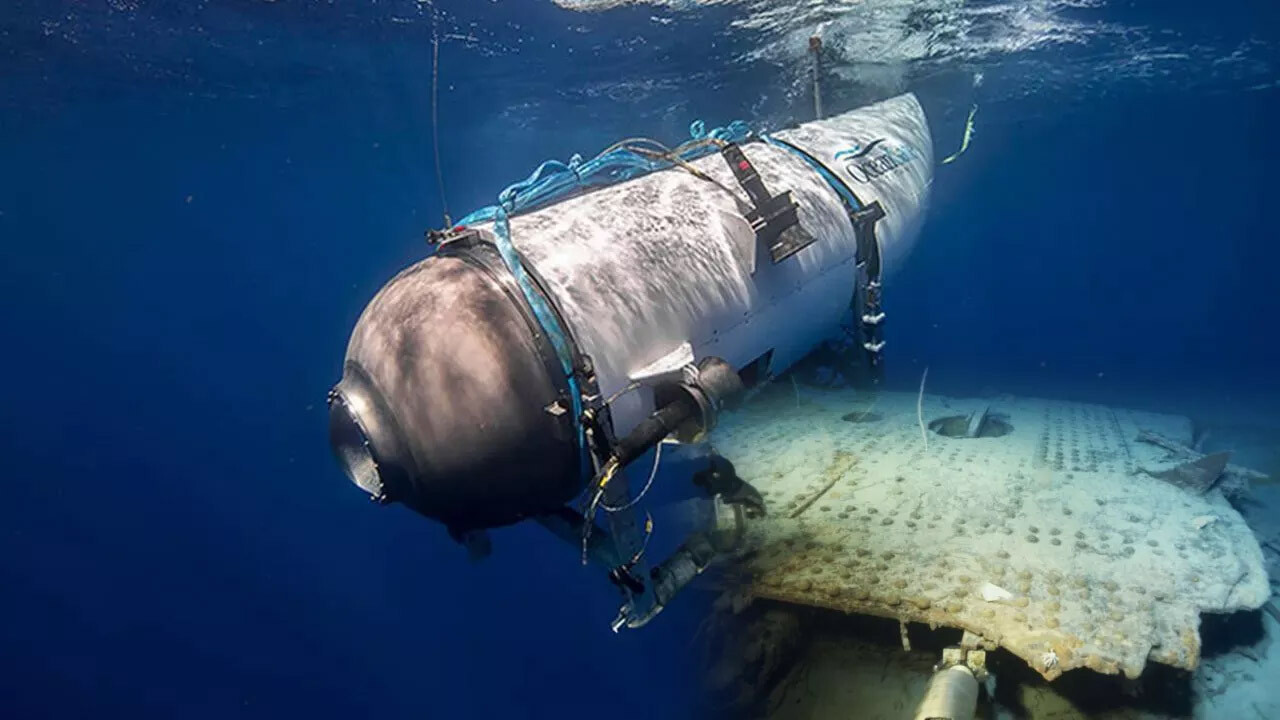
(196, 202)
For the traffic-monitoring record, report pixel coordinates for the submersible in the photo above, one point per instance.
(551, 340)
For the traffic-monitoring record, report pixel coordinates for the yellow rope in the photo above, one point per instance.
(968, 135)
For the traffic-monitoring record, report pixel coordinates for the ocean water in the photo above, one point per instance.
(198, 199)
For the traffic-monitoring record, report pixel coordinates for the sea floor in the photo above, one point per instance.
(825, 656)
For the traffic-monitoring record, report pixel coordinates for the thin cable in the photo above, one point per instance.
(589, 515)
(435, 111)
(680, 162)
(648, 533)
(920, 410)
(657, 458)
(623, 391)
(624, 143)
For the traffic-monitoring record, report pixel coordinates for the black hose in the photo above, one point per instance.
(652, 429)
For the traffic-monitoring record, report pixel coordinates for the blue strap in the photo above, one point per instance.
(552, 181)
(541, 310)
(836, 183)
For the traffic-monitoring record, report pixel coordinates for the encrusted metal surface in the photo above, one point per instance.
(1104, 566)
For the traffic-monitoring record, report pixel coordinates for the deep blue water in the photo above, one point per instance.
(196, 203)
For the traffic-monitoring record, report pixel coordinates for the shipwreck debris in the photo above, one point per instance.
(1234, 480)
(1196, 476)
(1103, 566)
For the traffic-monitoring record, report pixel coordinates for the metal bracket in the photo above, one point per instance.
(668, 368)
(867, 311)
(440, 238)
(771, 215)
(974, 659)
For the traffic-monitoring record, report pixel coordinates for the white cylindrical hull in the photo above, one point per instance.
(641, 268)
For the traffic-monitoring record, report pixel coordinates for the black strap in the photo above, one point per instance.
(867, 310)
(868, 315)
